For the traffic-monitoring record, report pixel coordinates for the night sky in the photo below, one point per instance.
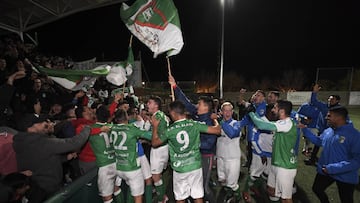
(275, 35)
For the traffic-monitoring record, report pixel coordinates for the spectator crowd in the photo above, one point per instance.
(50, 136)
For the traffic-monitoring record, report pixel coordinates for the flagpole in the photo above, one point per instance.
(124, 85)
(222, 48)
(123, 90)
(169, 70)
(130, 42)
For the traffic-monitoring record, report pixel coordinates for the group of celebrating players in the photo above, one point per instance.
(189, 137)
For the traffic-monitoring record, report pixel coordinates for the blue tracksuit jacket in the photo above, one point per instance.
(340, 152)
(207, 142)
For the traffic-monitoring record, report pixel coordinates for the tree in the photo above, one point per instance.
(206, 81)
(233, 81)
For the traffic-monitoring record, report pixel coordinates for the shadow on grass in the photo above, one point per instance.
(300, 196)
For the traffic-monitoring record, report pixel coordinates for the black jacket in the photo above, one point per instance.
(44, 156)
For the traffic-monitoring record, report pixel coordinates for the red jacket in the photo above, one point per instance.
(86, 154)
(8, 157)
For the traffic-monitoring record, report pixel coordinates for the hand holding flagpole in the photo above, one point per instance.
(169, 70)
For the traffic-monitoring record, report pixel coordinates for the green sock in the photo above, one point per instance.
(249, 183)
(160, 190)
(227, 189)
(119, 198)
(228, 192)
(129, 197)
(258, 182)
(237, 194)
(148, 193)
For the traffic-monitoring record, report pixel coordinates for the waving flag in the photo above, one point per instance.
(75, 79)
(121, 70)
(155, 23)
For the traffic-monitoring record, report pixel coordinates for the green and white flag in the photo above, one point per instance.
(75, 79)
(156, 23)
(121, 70)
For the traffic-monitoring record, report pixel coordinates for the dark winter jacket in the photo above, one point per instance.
(208, 142)
(44, 155)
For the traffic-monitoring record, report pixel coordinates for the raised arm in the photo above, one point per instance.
(262, 124)
(144, 134)
(231, 131)
(316, 140)
(322, 106)
(155, 140)
(179, 94)
(114, 104)
(215, 129)
(61, 145)
(7, 90)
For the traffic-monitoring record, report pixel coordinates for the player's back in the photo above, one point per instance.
(184, 141)
(124, 138)
(101, 146)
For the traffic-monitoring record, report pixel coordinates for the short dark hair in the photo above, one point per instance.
(102, 113)
(208, 101)
(29, 120)
(67, 106)
(340, 111)
(262, 92)
(16, 180)
(177, 107)
(337, 97)
(157, 100)
(10, 183)
(285, 105)
(120, 116)
(276, 93)
(123, 102)
(96, 105)
(131, 111)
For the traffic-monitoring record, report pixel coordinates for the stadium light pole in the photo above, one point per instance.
(222, 48)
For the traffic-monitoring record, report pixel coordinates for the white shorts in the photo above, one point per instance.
(228, 171)
(159, 159)
(257, 167)
(106, 180)
(188, 184)
(134, 179)
(145, 167)
(282, 180)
